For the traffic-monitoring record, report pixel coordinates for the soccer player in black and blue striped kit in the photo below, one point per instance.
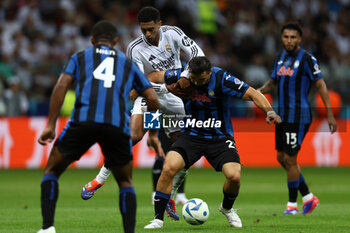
(295, 71)
(104, 79)
(208, 132)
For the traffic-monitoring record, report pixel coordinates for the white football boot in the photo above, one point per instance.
(231, 216)
(48, 230)
(155, 223)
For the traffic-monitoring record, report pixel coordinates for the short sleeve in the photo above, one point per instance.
(233, 86)
(141, 82)
(71, 67)
(312, 69)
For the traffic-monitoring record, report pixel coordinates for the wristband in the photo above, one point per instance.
(270, 113)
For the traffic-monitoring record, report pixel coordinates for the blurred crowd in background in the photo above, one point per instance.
(37, 37)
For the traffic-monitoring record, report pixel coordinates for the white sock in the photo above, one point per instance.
(307, 197)
(103, 175)
(292, 204)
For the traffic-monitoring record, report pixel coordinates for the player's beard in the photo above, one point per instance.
(291, 49)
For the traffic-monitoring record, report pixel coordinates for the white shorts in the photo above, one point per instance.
(169, 105)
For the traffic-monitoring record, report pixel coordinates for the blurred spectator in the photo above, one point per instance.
(15, 99)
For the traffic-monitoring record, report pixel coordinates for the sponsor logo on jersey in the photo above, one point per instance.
(200, 97)
(283, 71)
(166, 64)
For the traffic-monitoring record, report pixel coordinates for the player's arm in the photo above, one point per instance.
(144, 88)
(153, 105)
(322, 89)
(56, 101)
(268, 87)
(261, 102)
(186, 44)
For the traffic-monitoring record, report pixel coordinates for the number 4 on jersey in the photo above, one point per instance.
(104, 72)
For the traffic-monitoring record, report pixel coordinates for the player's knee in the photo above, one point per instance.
(234, 177)
(169, 170)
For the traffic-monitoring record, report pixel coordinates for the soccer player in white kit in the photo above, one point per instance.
(157, 49)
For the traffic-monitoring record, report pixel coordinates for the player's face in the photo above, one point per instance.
(200, 79)
(291, 40)
(151, 31)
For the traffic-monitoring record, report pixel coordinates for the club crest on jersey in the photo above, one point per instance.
(168, 48)
(296, 64)
(211, 93)
(283, 71)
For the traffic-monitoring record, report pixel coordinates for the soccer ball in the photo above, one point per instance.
(195, 211)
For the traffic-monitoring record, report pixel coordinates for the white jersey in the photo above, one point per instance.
(166, 55)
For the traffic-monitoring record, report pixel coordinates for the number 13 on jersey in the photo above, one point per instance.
(104, 72)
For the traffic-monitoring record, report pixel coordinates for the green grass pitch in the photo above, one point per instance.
(260, 204)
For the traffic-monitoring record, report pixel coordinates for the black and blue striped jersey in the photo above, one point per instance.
(210, 105)
(294, 74)
(104, 77)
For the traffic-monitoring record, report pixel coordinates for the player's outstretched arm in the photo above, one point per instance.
(261, 102)
(267, 87)
(56, 101)
(322, 89)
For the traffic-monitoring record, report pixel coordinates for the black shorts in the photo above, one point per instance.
(76, 138)
(288, 137)
(216, 151)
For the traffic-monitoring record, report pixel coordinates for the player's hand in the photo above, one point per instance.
(133, 95)
(273, 117)
(176, 89)
(47, 136)
(332, 124)
(154, 143)
(184, 83)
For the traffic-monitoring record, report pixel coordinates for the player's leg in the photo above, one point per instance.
(156, 171)
(137, 133)
(173, 163)
(127, 196)
(90, 188)
(232, 172)
(73, 142)
(118, 158)
(293, 173)
(55, 166)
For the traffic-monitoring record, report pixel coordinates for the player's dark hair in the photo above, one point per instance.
(147, 14)
(104, 30)
(292, 26)
(198, 65)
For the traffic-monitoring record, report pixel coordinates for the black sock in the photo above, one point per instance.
(229, 200)
(49, 195)
(156, 171)
(160, 201)
(303, 189)
(127, 206)
(293, 186)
